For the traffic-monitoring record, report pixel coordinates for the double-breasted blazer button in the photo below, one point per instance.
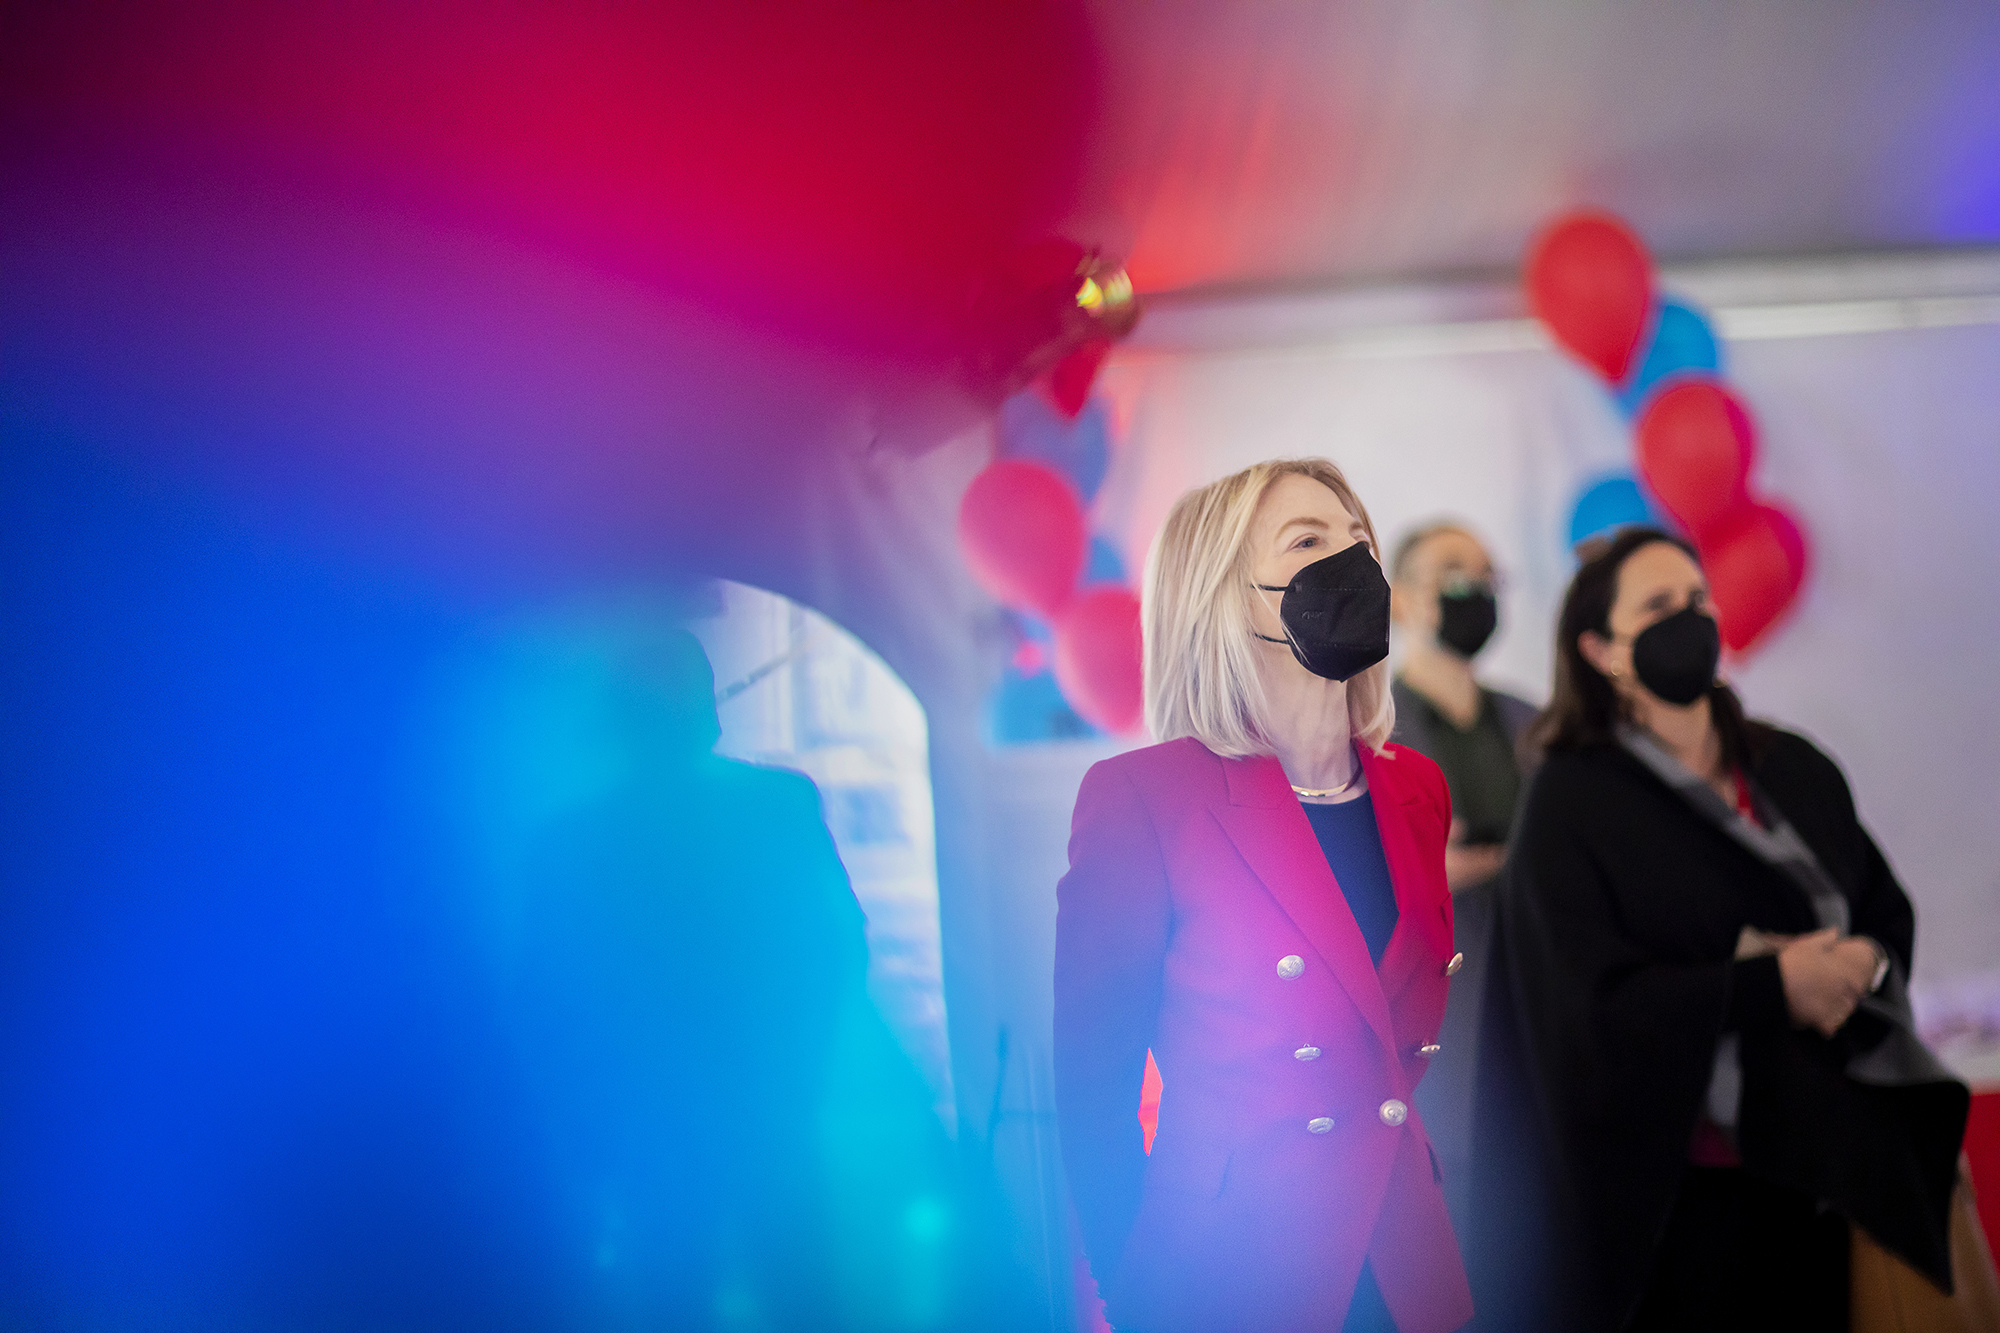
(1428, 1049)
(1457, 961)
(1320, 1125)
(1394, 1113)
(1306, 1053)
(1291, 967)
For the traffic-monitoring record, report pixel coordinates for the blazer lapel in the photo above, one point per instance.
(1263, 819)
(1420, 918)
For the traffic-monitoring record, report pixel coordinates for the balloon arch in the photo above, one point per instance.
(1590, 281)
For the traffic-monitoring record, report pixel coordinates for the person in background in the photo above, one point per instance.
(1707, 957)
(733, 1134)
(660, 931)
(1444, 600)
(1260, 899)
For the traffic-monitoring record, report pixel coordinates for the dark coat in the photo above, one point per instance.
(1619, 917)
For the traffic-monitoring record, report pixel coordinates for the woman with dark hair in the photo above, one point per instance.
(1707, 956)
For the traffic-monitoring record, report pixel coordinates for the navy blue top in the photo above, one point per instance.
(1353, 847)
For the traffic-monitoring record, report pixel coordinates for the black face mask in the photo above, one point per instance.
(1336, 614)
(1466, 620)
(1676, 658)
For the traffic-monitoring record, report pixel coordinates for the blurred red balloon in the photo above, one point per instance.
(1070, 381)
(1054, 261)
(1021, 527)
(1695, 444)
(1050, 315)
(1098, 658)
(782, 161)
(1590, 281)
(1755, 563)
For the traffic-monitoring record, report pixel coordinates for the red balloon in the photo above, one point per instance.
(1022, 530)
(1098, 658)
(1070, 381)
(1053, 262)
(1696, 444)
(1590, 281)
(1756, 564)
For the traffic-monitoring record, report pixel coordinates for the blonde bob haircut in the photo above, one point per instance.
(1201, 663)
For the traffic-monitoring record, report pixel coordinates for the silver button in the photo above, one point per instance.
(1394, 1113)
(1457, 961)
(1320, 1125)
(1428, 1049)
(1291, 967)
(1306, 1053)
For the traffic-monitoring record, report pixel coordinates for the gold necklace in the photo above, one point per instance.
(1330, 791)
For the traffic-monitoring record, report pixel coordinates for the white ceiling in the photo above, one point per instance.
(1293, 143)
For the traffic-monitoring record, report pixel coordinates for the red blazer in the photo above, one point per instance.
(1199, 919)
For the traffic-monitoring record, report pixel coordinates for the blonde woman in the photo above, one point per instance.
(1260, 900)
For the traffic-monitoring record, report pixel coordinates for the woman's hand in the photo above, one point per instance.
(1754, 943)
(1468, 866)
(1861, 956)
(1825, 976)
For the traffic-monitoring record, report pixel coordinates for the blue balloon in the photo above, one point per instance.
(1105, 564)
(1682, 344)
(1612, 502)
(1023, 710)
(1033, 628)
(1081, 450)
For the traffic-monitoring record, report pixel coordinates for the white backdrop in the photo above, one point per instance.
(1886, 443)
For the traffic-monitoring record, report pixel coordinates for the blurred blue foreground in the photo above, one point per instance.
(313, 1016)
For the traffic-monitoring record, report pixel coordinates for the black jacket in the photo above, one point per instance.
(1619, 919)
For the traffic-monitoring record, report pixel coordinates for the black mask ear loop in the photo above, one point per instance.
(1283, 587)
